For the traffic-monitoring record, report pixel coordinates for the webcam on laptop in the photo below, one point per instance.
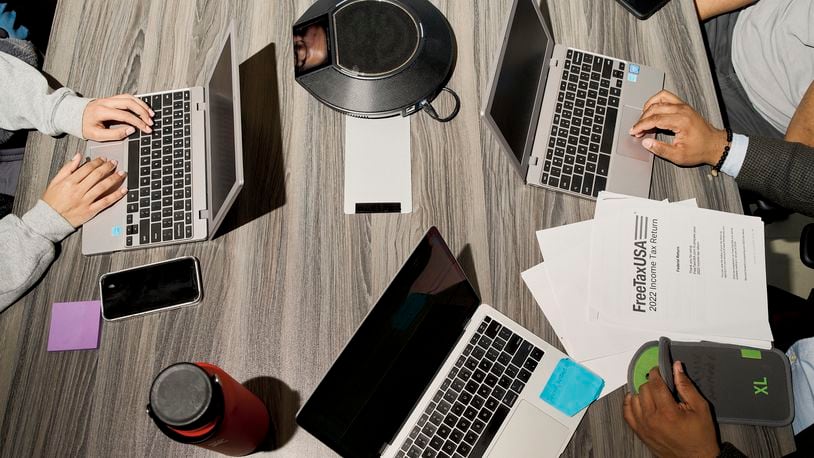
(375, 58)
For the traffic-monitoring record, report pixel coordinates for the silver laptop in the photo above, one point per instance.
(433, 372)
(563, 114)
(184, 177)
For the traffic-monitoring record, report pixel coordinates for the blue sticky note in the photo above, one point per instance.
(116, 231)
(634, 68)
(632, 77)
(571, 387)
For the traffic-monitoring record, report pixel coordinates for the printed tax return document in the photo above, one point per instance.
(558, 286)
(676, 268)
(566, 250)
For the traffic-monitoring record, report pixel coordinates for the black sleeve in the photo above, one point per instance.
(780, 171)
(805, 442)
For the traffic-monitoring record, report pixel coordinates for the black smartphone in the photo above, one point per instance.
(643, 9)
(150, 288)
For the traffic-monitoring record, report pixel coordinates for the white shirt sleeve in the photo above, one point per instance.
(801, 357)
(737, 153)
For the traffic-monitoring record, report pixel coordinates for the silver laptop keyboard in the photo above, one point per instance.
(477, 395)
(159, 197)
(578, 154)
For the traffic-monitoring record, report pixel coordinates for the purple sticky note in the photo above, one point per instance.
(75, 326)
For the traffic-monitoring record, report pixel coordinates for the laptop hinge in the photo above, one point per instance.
(203, 214)
(201, 106)
(533, 161)
(554, 62)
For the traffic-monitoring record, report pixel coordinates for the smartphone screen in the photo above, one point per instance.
(149, 288)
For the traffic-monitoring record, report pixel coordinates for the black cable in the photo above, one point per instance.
(434, 114)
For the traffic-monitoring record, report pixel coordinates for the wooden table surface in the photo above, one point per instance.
(291, 276)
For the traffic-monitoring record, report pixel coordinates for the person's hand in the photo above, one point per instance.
(79, 193)
(696, 142)
(124, 111)
(667, 427)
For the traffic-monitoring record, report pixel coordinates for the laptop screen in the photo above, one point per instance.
(225, 160)
(381, 374)
(516, 88)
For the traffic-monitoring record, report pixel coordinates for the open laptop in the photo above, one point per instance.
(183, 177)
(433, 372)
(563, 114)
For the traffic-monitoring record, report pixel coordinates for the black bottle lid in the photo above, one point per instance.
(183, 396)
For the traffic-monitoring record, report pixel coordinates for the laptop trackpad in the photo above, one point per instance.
(111, 151)
(530, 433)
(626, 144)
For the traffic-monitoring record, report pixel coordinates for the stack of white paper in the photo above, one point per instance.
(642, 269)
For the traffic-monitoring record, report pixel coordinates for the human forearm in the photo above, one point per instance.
(801, 127)
(76, 194)
(27, 245)
(710, 8)
(27, 102)
(781, 172)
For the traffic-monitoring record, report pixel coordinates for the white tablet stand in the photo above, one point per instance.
(377, 165)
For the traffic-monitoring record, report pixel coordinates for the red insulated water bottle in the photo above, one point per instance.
(200, 404)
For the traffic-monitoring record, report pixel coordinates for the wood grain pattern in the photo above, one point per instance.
(292, 276)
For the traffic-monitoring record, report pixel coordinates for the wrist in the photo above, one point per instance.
(47, 222)
(718, 144)
(69, 114)
(57, 208)
(85, 115)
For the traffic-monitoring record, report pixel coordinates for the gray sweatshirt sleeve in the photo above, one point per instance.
(27, 102)
(27, 247)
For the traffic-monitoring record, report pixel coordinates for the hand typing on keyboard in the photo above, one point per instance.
(79, 192)
(696, 141)
(117, 110)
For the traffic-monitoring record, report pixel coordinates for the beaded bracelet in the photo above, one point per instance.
(717, 167)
